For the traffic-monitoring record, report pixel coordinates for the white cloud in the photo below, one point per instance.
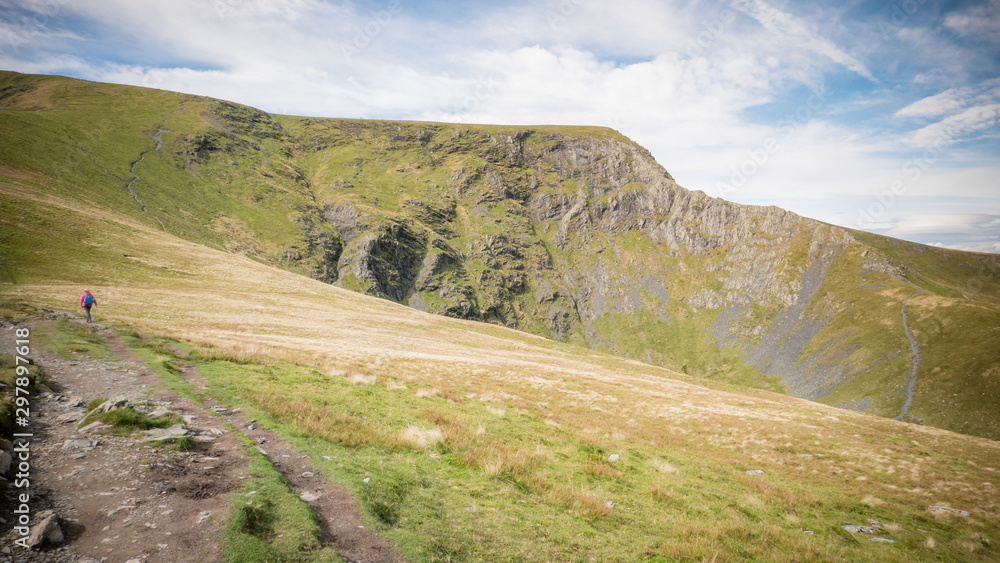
(960, 113)
(798, 33)
(968, 122)
(676, 77)
(981, 21)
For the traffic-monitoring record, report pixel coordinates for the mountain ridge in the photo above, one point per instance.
(571, 233)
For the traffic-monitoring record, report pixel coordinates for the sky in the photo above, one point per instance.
(878, 115)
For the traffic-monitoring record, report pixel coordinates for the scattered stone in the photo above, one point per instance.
(942, 509)
(158, 412)
(810, 532)
(115, 403)
(66, 418)
(308, 497)
(613, 457)
(875, 523)
(882, 540)
(216, 431)
(860, 529)
(158, 435)
(80, 444)
(754, 472)
(204, 515)
(308, 474)
(608, 503)
(120, 508)
(92, 427)
(366, 479)
(178, 430)
(46, 530)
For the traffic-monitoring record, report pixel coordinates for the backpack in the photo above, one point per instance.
(88, 300)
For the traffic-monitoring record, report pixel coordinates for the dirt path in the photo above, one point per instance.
(119, 500)
(338, 512)
(135, 175)
(911, 386)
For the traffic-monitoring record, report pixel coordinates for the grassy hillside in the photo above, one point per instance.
(483, 443)
(570, 233)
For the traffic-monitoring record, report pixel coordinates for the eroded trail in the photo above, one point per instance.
(339, 514)
(911, 385)
(157, 139)
(117, 499)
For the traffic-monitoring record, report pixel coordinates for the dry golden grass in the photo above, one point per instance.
(427, 392)
(362, 379)
(235, 309)
(421, 438)
(665, 467)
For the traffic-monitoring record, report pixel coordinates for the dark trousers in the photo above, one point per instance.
(87, 309)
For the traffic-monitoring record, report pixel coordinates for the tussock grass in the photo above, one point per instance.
(126, 421)
(362, 379)
(421, 438)
(427, 392)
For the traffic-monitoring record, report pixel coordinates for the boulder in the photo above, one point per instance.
(46, 531)
(115, 403)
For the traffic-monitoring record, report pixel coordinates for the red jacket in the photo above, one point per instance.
(84, 296)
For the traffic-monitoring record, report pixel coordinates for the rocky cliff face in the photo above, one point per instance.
(540, 231)
(581, 236)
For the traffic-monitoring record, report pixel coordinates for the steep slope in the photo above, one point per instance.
(469, 441)
(576, 234)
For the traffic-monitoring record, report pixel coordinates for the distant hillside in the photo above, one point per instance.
(571, 233)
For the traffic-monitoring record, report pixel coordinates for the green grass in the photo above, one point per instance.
(70, 340)
(471, 496)
(267, 521)
(237, 179)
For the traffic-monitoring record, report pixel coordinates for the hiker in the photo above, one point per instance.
(87, 301)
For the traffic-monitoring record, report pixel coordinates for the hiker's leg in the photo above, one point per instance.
(89, 320)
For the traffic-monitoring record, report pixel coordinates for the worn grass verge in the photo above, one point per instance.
(267, 520)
